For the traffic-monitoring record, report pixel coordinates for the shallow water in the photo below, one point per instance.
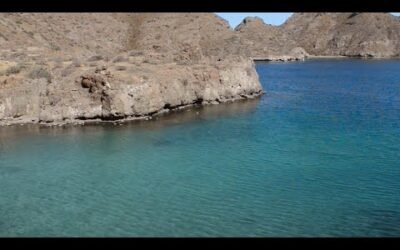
(317, 155)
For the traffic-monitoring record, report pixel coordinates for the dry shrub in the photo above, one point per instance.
(120, 59)
(13, 70)
(56, 59)
(135, 53)
(120, 68)
(58, 65)
(95, 58)
(40, 72)
(76, 63)
(68, 70)
(17, 68)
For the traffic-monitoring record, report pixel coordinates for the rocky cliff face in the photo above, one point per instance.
(68, 68)
(346, 34)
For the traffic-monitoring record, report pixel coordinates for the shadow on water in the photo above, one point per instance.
(186, 116)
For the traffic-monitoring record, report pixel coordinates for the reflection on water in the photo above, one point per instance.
(203, 113)
(189, 115)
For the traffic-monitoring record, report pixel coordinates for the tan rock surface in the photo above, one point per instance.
(347, 34)
(323, 34)
(268, 42)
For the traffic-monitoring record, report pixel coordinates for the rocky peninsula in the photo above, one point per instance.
(76, 68)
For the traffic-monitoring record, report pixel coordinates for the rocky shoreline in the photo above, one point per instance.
(89, 121)
(107, 94)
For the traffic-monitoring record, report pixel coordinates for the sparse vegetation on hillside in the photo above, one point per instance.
(95, 58)
(17, 68)
(13, 70)
(39, 72)
(120, 59)
(120, 67)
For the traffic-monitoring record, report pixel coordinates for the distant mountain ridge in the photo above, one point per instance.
(327, 34)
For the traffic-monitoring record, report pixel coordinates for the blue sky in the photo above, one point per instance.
(271, 18)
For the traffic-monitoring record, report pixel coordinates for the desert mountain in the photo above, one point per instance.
(267, 41)
(189, 35)
(347, 34)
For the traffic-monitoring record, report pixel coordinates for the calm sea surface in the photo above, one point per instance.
(317, 155)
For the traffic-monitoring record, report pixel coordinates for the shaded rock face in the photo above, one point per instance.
(346, 34)
(139, 66)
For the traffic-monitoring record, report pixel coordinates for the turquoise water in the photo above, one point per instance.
(317, 155)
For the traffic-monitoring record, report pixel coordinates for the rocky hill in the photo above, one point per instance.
(323, 34)
(267, 41)
(67, 68)
(346, 34)
(27, 35)
(185, 36)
